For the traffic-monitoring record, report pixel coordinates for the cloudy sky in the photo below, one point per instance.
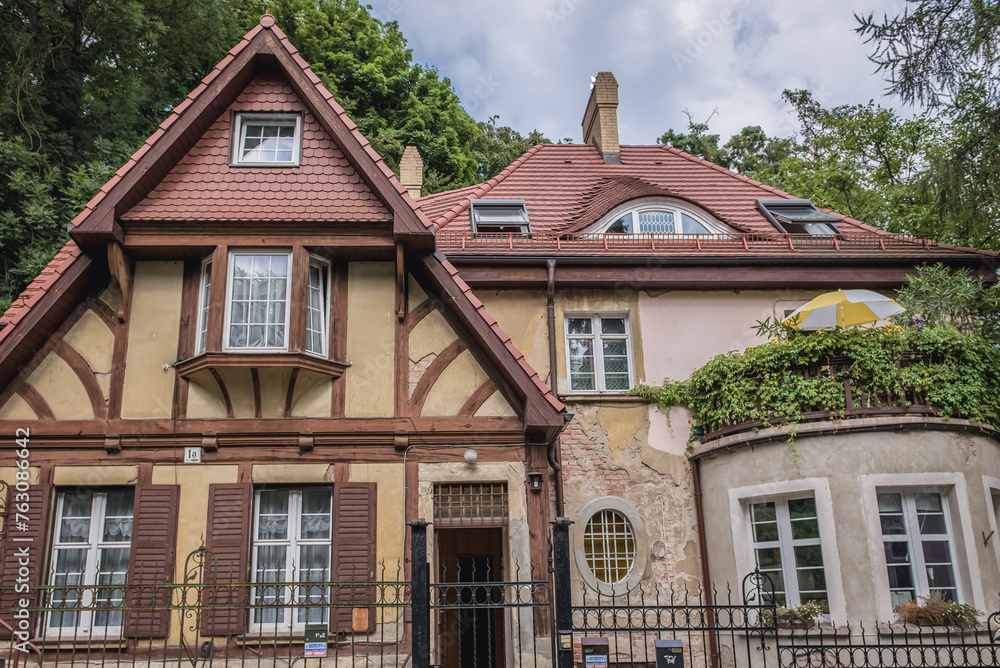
(530, 61)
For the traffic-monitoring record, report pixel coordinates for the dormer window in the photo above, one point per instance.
(797, 216)
(267, 139)
(658, 216)
(498, 216)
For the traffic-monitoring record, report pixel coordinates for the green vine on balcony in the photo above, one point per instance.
(954, 373)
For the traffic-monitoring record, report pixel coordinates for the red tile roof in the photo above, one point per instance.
(203, 186)
(37, 289)
(568, 187)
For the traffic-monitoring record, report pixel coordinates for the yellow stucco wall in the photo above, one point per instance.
(370, 339)
(454, 386)
(15, 409)
(62, 390)
(192, 514)
(95, 342)
(154, 327)
(204, 403)
(389, 536)
(430, 336)
(94, 476)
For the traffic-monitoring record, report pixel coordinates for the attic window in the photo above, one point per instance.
(267, 139)
(797, 216)
(499, 215)
(659, 216)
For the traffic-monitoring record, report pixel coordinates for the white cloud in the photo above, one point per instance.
(530, 61)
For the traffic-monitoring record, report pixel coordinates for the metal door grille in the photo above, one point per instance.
(476, 504)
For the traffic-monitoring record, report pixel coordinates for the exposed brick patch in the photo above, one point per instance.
(417, 370)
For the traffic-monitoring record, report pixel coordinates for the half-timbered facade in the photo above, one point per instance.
(251, 345)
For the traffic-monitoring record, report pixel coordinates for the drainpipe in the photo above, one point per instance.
(555, 450)
(703, 552)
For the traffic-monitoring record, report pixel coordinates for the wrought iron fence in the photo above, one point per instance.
(195, 623)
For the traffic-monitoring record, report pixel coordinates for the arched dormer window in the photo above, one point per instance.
(658, 216)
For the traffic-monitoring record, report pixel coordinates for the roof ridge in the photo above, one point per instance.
(485, 187)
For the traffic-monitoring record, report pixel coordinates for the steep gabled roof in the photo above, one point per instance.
(265, 48)
(58, 289)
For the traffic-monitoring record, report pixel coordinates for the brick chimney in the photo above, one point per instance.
(411, 171)
(600, 121)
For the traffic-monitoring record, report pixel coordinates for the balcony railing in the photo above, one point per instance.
(859, 401)
(455, 240)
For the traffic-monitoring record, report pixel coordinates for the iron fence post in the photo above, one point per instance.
(420, 595)
(564, 599)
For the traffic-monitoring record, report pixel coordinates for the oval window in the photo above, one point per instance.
(609, 545)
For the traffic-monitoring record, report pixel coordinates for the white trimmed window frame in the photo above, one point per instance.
(289, 278)
(640, 563)
(953, 487)
(92, 570)
(240, 122)
(678, 207)
(991, 487)
(326, 300)
(204, 293)
(292, 542)
(741, 498)
(598, 350)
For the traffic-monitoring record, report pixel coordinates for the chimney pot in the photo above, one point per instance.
(600, 121)
(411, 171)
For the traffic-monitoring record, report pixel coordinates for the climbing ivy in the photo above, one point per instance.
(958, 372)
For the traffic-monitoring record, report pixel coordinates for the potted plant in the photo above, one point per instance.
(800, 617)
(936, 611)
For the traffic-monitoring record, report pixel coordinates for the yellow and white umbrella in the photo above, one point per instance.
(843, 308)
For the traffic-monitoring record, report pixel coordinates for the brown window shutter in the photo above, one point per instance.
(151, 559)
(27, 533)
(353, 551)
(228, 543)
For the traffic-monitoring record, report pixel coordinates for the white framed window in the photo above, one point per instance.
(291, 548)
(90, 554)
(609, 545)
(267, 139)
(257, 301)
(204, 292)
(599, 352)
(318, 307)
(785, 540)
(918, 545)
(658, 216)
(797, 216)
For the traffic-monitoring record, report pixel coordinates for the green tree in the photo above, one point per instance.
(497, 146)
(697, 141)
(945, 54)
(366, 65)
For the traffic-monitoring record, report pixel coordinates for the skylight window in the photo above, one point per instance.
(797, 216)
(499, 215)
(267, 139)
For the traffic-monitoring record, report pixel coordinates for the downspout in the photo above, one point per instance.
(703, 553)
(555, 450)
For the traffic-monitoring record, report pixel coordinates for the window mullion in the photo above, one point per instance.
(787, 552)
(599, 382)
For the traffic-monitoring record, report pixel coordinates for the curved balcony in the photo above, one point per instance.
(856, 402)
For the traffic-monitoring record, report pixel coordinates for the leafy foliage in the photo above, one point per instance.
(959, 374)
(937, 296)
(944, 54)
(366, 65)
(936, 611)
(498, 146)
